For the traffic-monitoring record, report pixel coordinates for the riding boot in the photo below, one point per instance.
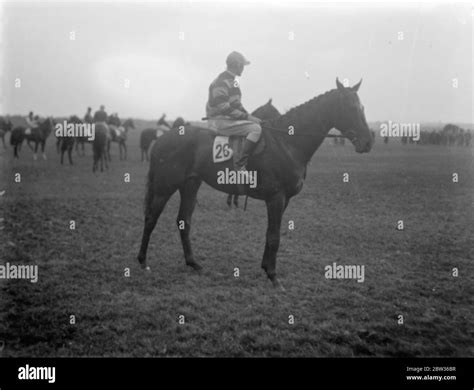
(248, 148)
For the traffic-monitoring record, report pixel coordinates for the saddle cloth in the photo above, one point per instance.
(225, 147)
(117, 131)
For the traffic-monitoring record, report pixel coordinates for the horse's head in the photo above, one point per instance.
(267, 111)
(350, 118)
(128, 124)
(75, 119)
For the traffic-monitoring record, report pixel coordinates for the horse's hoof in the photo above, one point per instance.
(194, 266)
(277, 284)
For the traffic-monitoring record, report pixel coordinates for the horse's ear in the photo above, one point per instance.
(339, 85)
(356, 87)
(270, 101)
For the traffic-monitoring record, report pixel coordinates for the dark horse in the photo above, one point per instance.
(5, 127)
(38, 135)
(66, 144)
(182, 162)
(99, 147)
(266, 112)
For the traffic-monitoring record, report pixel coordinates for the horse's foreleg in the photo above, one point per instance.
(104, 155)
(42, 149)
(275, 208)
(236, 201)
(125, 150)
(108, 150)
(188, 194)
(229, 200)
(70, 155)
(152, 213)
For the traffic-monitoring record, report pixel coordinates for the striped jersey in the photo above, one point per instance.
(225, 98)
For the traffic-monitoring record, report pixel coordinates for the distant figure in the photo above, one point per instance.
(467, 138)
(88, 117)
(80, 141)
(5, 127)
(31, 121)
(179, 122)
(162, 122)
(101, 115)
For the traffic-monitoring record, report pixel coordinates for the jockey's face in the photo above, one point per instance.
(237, 69)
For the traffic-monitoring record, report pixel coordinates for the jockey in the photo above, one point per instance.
(31, 120)
(225, 112)
(115, 120)
(88, 116)
(101, 115)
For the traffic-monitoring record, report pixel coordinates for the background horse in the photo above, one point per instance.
(182, 162)
(118, 134)
(99, 146)
(38, 135)
(147, 136)
(266, 112)
(5, 127)
(67, 143)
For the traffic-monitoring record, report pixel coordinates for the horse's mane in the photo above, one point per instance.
(297, 110)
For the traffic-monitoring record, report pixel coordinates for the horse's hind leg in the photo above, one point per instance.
(229, 200)
(152, 213)
(188, 194)
(42, 149)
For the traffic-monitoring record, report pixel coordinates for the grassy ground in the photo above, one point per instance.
(81, 271)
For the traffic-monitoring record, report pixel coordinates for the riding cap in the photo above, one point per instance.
(236, 58)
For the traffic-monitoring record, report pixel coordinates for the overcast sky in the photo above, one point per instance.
(407, 80)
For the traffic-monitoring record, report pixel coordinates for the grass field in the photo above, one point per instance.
(82, 271)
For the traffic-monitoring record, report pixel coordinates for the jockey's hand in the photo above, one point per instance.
(254, 119)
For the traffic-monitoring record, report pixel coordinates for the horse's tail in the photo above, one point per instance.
(148, 192)
(171, 157)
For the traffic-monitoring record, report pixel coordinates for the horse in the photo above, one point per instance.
(99, 146)
(5, 127)
(265, 112)
(147, 136)
(67, 143)
(119, 134)
(81, 141)
(38, 135)
(181, 162)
